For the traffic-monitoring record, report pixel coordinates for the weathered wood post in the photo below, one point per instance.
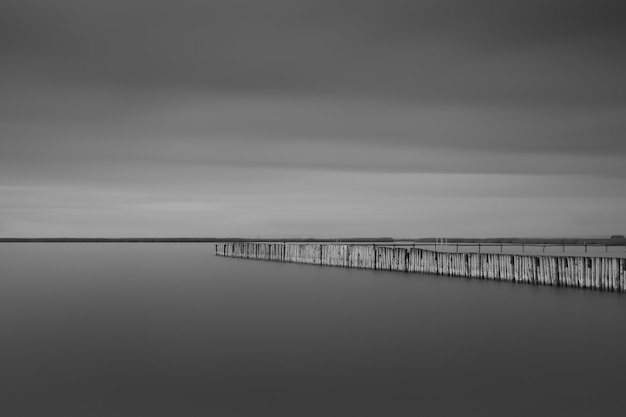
(375, 257)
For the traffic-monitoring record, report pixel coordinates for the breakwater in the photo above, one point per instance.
(599, 273)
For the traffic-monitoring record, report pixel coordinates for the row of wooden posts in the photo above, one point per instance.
(600, 273)
(445, 246)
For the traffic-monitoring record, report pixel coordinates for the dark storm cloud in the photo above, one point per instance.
(85, 129)
(530, 51)
(501, 84)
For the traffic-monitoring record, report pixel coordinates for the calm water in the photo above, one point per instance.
(118, 329)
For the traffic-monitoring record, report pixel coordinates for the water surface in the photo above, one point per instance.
(152, 329)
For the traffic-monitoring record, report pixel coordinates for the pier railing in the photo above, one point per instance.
(600, 273)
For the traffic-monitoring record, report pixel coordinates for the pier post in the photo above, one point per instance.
(375, 257)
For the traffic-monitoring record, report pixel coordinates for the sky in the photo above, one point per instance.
(312, 118)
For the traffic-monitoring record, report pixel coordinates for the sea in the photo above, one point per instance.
(170, 329)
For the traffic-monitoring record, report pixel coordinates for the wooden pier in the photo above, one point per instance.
(598, 273)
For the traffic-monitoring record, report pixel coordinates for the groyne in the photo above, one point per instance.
(599, 273)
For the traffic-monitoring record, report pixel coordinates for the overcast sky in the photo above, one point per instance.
(316, 118)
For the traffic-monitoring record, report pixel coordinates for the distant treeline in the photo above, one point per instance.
(615, 240)
(105, 239)
(189, 239)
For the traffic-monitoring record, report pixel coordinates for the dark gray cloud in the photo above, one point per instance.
(504, 76)
(86, 127)
(534, 51)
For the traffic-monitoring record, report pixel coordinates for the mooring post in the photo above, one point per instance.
(321, 254)
(479, 248)
(375, 256)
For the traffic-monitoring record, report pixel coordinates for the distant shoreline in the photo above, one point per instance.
(617, 240)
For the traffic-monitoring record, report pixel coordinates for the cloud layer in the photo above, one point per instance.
(122, 117)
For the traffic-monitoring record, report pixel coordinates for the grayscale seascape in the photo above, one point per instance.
(169, 329)
(484, 139)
